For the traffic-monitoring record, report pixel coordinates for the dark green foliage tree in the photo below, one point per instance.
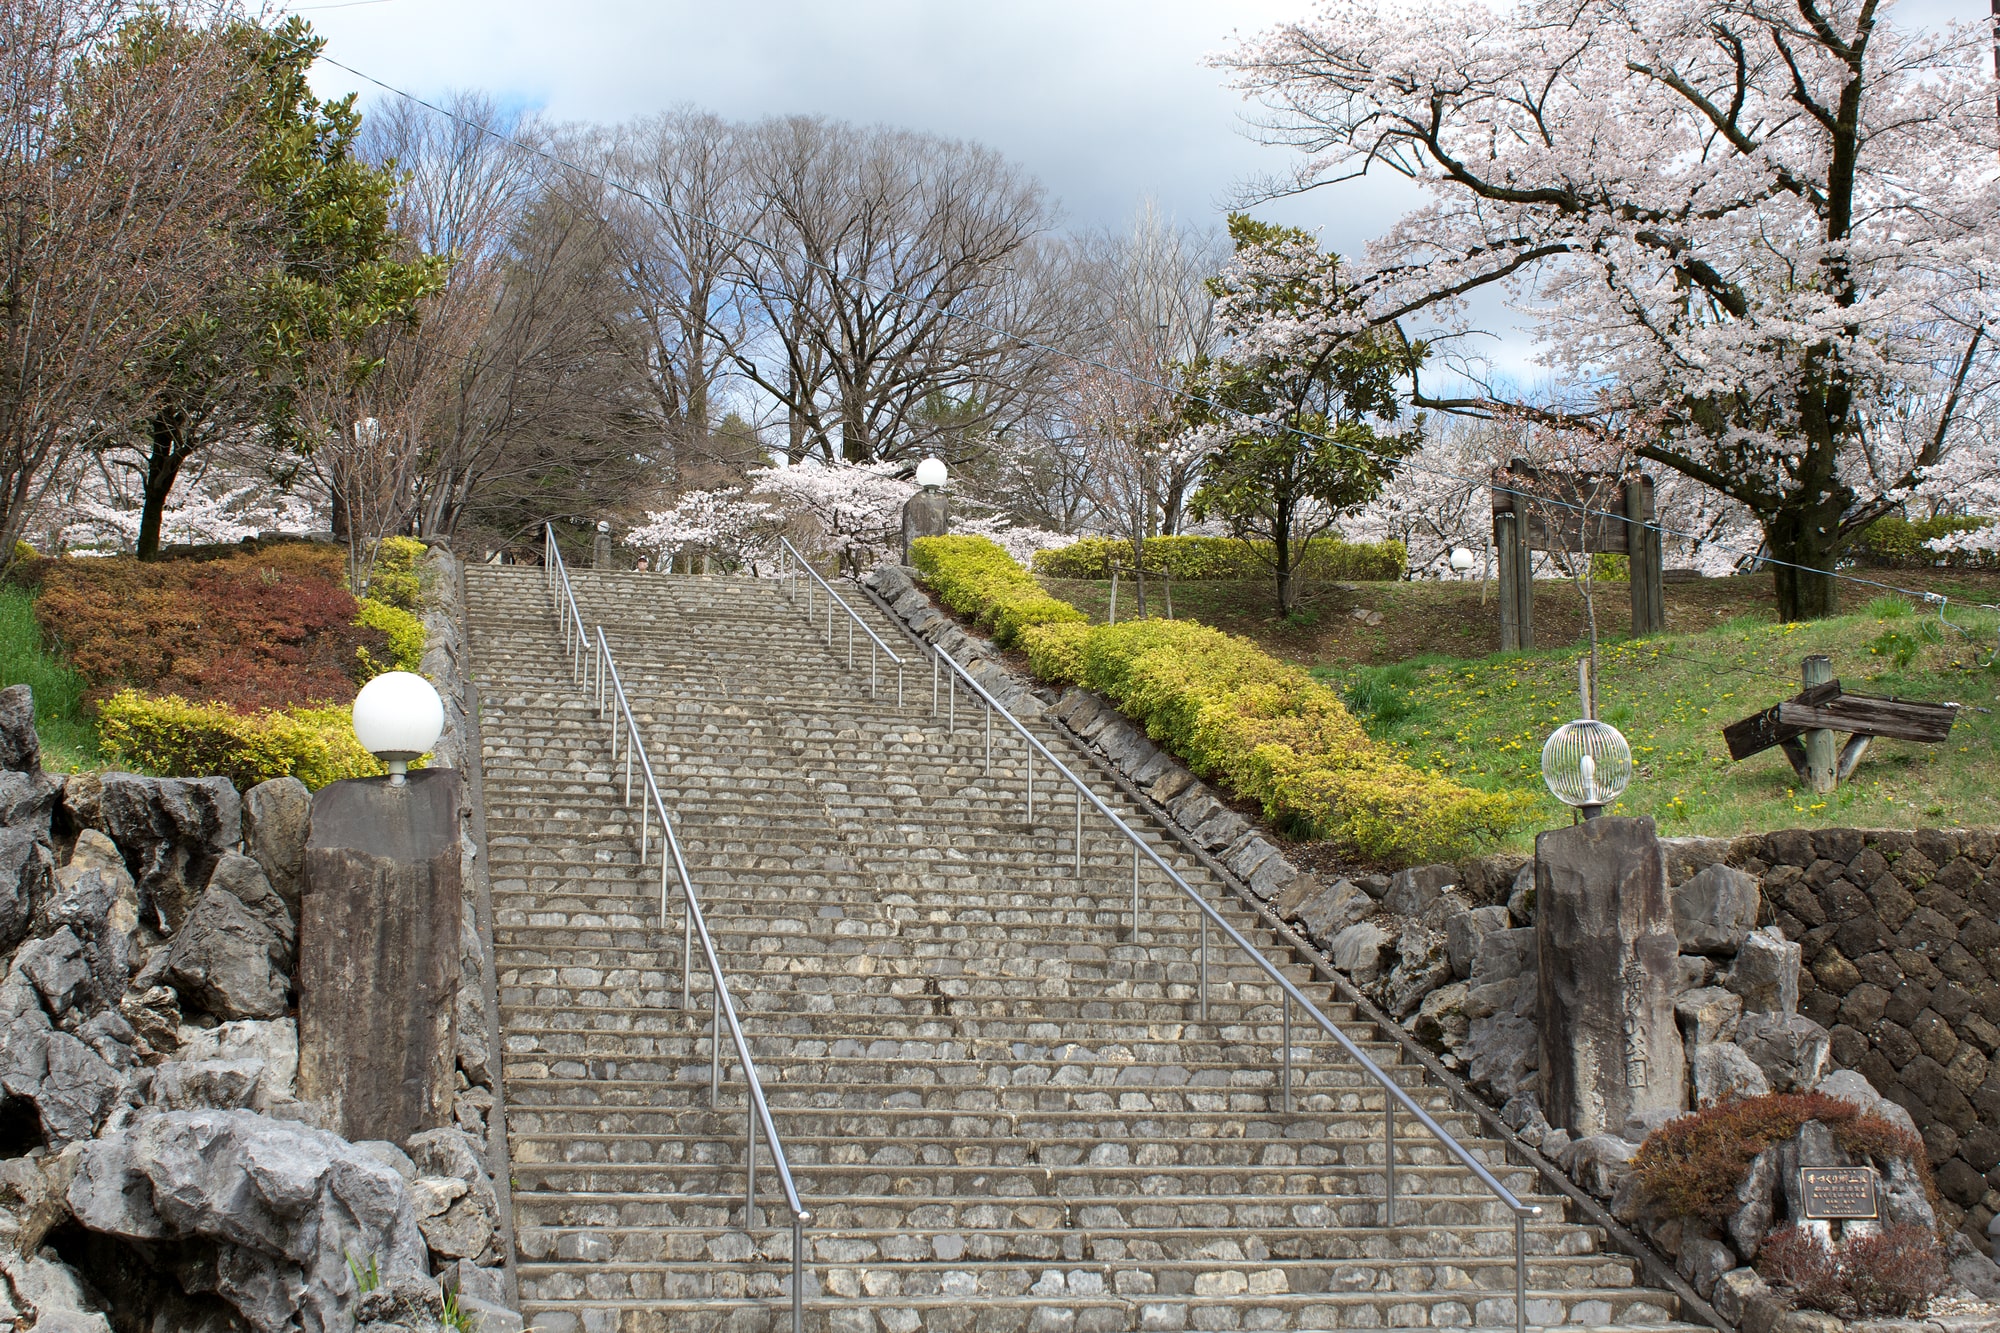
(315, 259)
(1300, 430)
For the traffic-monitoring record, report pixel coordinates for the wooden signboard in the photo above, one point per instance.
(1580, 512)
(1838, 1193)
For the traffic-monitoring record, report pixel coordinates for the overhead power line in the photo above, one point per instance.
(1081, 359)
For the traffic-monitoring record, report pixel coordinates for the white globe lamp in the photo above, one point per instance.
(1587, 764)
(1461, 559)
(931, 474)
(398, 717)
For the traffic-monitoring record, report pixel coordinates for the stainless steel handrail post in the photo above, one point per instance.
(1520, 1274)
(1389, 1157)
(1203, 982)
(1135, 893)
(1288, 1054)
(1031, 786)
(1077, 846)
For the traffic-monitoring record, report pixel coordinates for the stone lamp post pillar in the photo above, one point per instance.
(1605, 927)
(378, 929)
(926, 514)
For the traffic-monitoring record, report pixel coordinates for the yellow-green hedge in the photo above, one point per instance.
(405, 631)
(169, 735)
(1198, 558)
(976, 577)
(394, 577)
(1272, 734)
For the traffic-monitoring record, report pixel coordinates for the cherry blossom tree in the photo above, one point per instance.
(1775, 220)
(722, 525)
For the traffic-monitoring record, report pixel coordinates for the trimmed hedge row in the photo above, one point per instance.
(1265, 730)
(170, 735)
(1196, 559)
(976, 577)
(1272, 734)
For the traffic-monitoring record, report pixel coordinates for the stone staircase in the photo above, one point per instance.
(1001, 1108)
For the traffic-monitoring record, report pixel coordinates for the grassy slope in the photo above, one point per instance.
(69, 740)
(1427, 681)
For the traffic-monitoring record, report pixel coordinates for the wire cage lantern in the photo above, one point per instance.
(1587, 764)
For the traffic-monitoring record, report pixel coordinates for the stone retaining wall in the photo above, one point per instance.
(1902, 966)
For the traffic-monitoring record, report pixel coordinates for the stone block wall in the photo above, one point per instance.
(1901, 938)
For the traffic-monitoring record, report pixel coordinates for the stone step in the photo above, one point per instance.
(1452, 1278)
(857, 1245)
(1577, 1312)
(997, 1097)
(558, 1199)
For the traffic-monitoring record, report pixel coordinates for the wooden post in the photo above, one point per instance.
(1645, 558)
(1821, 757)
(1524, 579)
(1503, 542)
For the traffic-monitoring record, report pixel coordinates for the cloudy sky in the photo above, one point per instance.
(1109, 102)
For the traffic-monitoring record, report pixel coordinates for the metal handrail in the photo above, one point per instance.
(795, 561)
(595, 668)
(1393, 1092)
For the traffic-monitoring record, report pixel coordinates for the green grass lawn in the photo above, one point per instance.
(1426, 678)
(69, 738)
(1483, 720)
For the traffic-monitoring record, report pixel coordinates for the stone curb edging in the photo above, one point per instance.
(1243, 848)
(462, 714)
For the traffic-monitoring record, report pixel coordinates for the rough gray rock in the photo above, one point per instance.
(20, 747)
(283, 1204)
(1464, 931)
(244, 880)
(1421, 967)
(1411, 891)
(223, 960)
(1722, 1072)
(1857, 1091)
(1766, 973)
(1756, 1204)
(1791, 1050)
(101, 915)
(1708, 1014)
(1441, 1023)
(71, 1086)
(1703, 1260)
(171, 832)
(27, 871)
(43, 1289)
(1735, 1290)
(1358, 951)
(461, 1221)
(400, 1305)
(27, 799)
(213, 1085)
(56, 967)
(1332, 910)
(1503, 1044)
(276, 818)
(1715, 911)
(1599, 1162)
(1521, 901)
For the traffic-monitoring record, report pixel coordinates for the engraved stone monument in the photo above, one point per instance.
(1610, 1046)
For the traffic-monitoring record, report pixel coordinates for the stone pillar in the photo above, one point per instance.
(378, 955)
(926, 515)
(600, 547)
(1610, 1046)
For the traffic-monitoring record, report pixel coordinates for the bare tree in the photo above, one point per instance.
(884, 265)
(111, 172)
(680, 235)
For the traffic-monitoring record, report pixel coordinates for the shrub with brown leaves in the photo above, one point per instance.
(1892, 1274)
(265, 629)
(1692, 1166)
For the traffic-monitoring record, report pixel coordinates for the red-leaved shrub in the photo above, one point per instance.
(1691, 1166)
(266, 629)
(1891, 1275)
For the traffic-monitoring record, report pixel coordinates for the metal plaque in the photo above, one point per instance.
(1838, 1192)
